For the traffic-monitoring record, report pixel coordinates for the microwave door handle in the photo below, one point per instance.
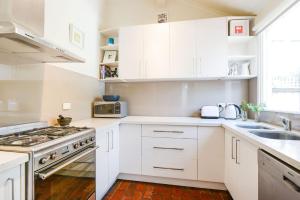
(46, 175)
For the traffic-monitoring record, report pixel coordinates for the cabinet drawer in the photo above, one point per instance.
(169, 131)
(173, 158)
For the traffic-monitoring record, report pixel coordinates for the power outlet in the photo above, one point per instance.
(67, 106)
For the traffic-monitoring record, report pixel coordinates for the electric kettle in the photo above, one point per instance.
(232, 111)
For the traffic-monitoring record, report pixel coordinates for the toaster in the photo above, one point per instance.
(210, 112)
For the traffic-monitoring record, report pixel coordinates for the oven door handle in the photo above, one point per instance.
(63, 164)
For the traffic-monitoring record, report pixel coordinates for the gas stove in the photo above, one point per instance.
(56, 155)
(38, 135)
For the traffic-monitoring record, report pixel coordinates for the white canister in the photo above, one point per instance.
(245, 71)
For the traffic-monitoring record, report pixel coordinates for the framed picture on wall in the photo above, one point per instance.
(76, 36)
(110, 56)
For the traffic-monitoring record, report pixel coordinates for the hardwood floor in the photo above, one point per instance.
(130, 190)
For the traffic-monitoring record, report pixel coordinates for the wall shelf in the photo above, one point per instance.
(110, 47)
(240, 39)
(113, 64)
(119, 80)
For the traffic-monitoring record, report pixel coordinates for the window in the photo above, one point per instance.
(281, 63)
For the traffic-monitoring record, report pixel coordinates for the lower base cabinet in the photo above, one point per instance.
(107, 159)
(241, 168)
(12, 182)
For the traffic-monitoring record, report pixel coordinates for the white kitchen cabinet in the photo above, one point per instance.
(107, 159)
(156, 51)
(212, 47)
(131, 60)
(183, 49)
(12, 184)
(131, 149)
(241, 168)
(211, 154)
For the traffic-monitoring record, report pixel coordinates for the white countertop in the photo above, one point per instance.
(10, 159)
(286, 150)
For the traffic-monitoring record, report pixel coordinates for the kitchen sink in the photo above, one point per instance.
(252, 126)
(277, 135)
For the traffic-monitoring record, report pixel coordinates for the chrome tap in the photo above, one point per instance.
(287, 123)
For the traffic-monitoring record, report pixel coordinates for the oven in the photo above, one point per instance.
(72, 177)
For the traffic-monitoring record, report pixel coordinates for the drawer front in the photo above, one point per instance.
(173, 158)
(169, 131)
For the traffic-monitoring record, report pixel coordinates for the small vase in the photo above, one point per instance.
(256, 116)
(244, 115)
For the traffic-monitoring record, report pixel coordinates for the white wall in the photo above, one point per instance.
(84, 14)
(118, 13)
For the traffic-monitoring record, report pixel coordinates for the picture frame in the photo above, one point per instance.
(109, 56)
(76, 36)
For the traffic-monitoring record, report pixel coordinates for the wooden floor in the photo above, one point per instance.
(129, 190)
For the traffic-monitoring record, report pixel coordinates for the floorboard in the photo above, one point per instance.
(131, 190)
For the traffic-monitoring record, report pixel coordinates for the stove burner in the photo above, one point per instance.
(38, 136)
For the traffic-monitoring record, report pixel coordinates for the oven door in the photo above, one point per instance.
(73, 178)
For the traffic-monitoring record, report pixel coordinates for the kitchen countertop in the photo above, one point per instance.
(286, 150)
(9, 159)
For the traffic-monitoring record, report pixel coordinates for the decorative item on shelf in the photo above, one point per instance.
(233, 69)
(244, 69)
(110, 41)
(110, 56)
(256, 109)
(239, 68)
(162, 17)
(111, 97)
(244, 107)
(239, 27)
(108, 72)
(76, 36)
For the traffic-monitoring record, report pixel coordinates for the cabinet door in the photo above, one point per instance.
(113, 154)
(156, 51)
(231, 170)
(183, 49)
(131, 52)
(131, 149)
(212, 47)
(10, 184)
(211, 154)
(247, 170)
(102, 175)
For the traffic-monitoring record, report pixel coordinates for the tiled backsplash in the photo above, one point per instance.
(177, 98)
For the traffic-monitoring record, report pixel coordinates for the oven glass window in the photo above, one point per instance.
(76, 181)
(105, 109)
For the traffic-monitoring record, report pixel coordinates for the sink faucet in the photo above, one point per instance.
(287, 123)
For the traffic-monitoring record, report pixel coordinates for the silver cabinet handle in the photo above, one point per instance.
(159, 131)
(108, 141)
(236, 151)
(112, 139)
(169, 148)
(169, 168)
(12, 187)
(232, 155)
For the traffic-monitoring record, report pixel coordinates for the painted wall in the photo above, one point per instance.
(85, 16)
(118, 13)
(177, 98)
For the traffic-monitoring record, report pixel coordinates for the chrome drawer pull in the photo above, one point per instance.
(158, 131)
(12, 188)
(167, 148)
(169, 168)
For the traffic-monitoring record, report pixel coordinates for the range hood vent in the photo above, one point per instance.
(19, 46)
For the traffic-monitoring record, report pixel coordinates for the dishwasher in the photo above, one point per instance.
(276, 179)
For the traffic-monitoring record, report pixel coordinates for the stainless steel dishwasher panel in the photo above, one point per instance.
(276, 179)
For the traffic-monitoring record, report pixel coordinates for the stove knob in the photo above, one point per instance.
(76, 146)
(92, 139)
(43, 160)
(53, 156)
(81, 143)
(87, 141)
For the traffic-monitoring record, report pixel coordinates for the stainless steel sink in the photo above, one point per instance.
(277, 135)
(252, 126)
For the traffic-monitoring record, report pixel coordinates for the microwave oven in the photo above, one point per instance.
(111, 109)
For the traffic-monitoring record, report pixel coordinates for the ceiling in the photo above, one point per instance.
(234, 7)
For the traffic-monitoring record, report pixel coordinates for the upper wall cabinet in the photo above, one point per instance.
(212, 47)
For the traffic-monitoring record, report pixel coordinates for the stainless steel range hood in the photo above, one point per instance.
(19, 46)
